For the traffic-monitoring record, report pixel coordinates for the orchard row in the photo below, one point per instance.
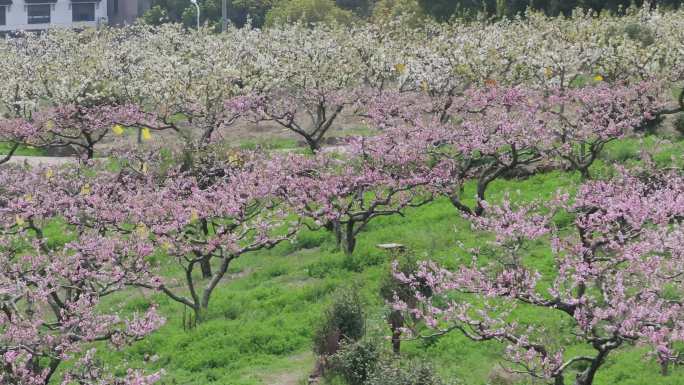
(128, 223)
(68, 88)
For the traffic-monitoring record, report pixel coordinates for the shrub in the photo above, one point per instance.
(156, 15)
(391, 372)
(621, 152)
(324, 267)
(501, 376)
(360, 7)
(363, 259)
(356, 362)
(679, 123)
(307, 12)
(408, 265)
(311, 239)
(410, 11)
(640, 33)
(344, 321)
(367, 362)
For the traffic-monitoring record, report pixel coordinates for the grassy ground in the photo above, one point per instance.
(261, 320)
(22, 150)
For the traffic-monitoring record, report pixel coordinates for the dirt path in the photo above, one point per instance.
(42, 160)
(58, 161)
(302, 365)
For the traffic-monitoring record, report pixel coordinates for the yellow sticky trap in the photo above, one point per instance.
(166, 246)
(145, 134)
(462, 69)
(141, 230)
(118, 129)
(598, 78)
(400, 68)
(194, 216)
(49, 124)
(234, 159)
(49, 173)
(28, 198)
(548, 71)
(86, 190)
(20, 221)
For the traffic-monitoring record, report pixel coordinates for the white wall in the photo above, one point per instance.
(60, 16)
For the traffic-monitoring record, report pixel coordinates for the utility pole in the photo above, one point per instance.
(224, 15)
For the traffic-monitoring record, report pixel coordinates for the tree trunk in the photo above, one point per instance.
(215, 279)
(90, 152)
(205, 265)
(314, 145)
(483, 183)
(188, 321)
(5, 158)
(456, 202)
(90, 146)
(584, 172)
(559, 380)
(206, 137)
(344, 236)
(335, 228)
(54, 364)
(396, 342)
(587, 376)
(197, 311)
(348, 238)
(664, 368)
(481, 191)
(396, 322)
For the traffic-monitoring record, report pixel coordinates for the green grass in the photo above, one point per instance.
(267, 144)
(261, 320)
(22, 150)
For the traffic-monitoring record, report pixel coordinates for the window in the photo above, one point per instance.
(83, 11)
(38, 13)
(3, 16)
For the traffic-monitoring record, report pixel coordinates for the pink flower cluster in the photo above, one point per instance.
(616, 276)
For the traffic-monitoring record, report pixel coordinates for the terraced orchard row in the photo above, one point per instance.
(66, 88)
